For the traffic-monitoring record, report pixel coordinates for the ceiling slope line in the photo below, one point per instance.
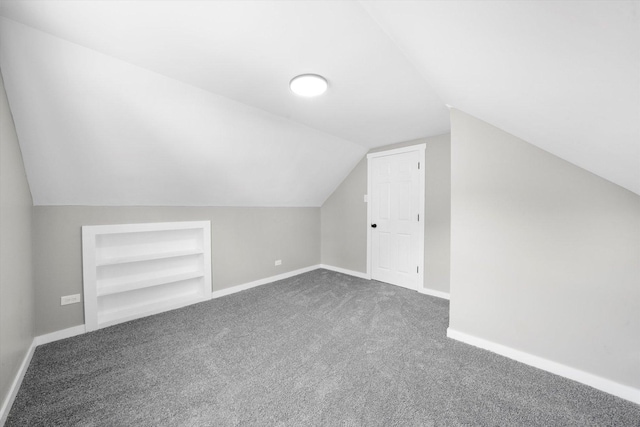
(542, 149)
(410, 60)
(17, 136)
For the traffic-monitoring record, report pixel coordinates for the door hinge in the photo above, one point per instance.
(418, 165)
(417, 269)
(418, 217)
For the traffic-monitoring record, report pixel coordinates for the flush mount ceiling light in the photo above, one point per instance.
(308, 85)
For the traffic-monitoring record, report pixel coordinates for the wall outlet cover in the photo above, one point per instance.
(278, 262)
(70, 299)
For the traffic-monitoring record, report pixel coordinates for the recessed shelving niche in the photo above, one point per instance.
(136, 270)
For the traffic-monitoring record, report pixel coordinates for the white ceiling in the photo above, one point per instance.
(99, 131)
(187, 102)
(562, 75)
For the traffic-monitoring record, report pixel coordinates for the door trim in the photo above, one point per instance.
(421, 148)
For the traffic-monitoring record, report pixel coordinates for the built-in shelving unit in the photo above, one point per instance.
(136, 270)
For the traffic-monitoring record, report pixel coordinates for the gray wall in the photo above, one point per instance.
(16, 284)
(344, 222)
(544, 255)
(344, 216)
(437, 226)
(245, 243)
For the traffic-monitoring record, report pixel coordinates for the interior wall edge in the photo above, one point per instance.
(246, 286)
(435, 293)
(359, 274)
(17, 290)
(16, 383)
(603, 384)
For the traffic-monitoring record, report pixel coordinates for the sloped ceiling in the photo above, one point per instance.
(187, 102)
(99, 131)
(562, 75)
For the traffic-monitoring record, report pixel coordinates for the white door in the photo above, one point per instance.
(396, 190)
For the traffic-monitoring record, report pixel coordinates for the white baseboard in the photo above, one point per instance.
(17, 382)
(345, 271)
(245, 286)
(595, 381)
(80, 329)
(434, 293)
(60, 335)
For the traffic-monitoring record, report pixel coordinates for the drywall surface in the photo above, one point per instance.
(344, 222)
(437, 226)
(16, 281)
(344, 216)
(544, 254)
(245, 242)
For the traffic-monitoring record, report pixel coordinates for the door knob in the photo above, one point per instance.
(374, 225)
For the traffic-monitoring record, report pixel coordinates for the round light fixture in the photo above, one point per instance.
(308, 85)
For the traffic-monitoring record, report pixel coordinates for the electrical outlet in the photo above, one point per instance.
(278, 262)
(70, 299)
(366, 198)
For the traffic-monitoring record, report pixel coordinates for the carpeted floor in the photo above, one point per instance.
(321, 348)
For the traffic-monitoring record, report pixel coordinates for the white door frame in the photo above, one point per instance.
(421, 148)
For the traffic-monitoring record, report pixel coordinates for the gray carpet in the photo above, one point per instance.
(321, 348)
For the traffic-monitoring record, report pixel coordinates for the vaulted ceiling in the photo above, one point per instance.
(187, 102)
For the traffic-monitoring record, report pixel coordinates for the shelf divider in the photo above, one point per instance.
(147, 257)
(146, 283)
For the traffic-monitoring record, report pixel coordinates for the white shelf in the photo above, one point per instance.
(147, 257)
(130, 284)
(135, 270)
